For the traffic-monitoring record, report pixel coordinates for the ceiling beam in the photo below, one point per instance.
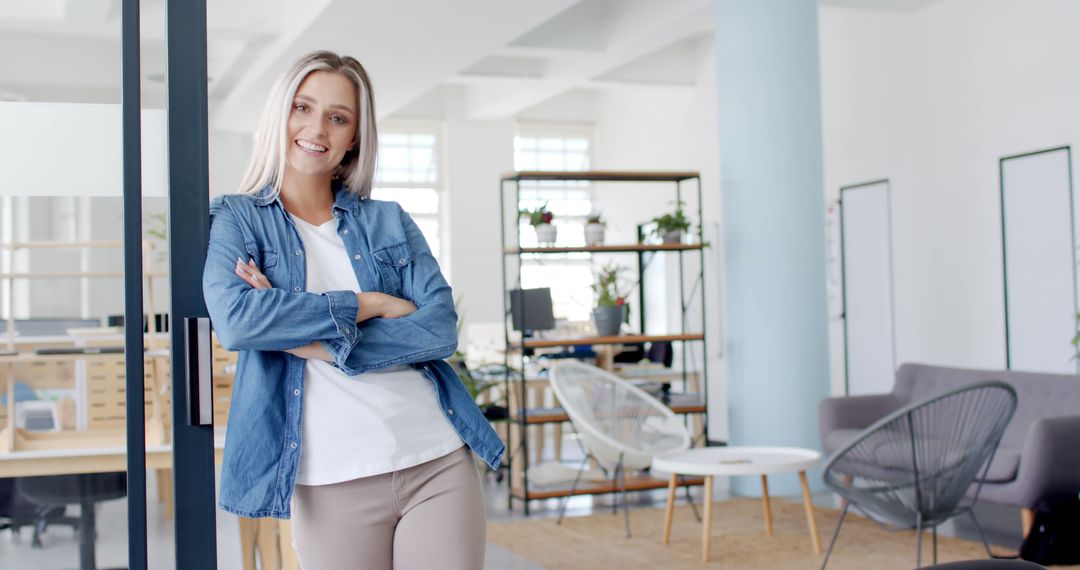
(405, 55)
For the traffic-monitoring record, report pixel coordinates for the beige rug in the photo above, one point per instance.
(739, 541)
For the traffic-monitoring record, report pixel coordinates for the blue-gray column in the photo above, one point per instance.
(777, 367)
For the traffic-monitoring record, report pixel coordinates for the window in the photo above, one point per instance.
(568, 275)
(408, 173)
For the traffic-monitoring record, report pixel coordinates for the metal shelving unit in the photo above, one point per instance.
(525, 417)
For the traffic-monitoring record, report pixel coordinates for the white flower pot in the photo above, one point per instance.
(674, 236)
(594, 234)
(545, 234)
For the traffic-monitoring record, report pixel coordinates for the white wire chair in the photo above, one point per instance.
(622, 426)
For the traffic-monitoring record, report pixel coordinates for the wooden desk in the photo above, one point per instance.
(87, 460)
(103, 450)
(270, 537)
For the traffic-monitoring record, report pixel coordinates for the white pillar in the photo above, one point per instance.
(777, 367)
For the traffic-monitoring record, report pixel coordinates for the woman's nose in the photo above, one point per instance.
(315, 123)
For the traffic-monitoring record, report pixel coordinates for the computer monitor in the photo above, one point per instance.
(530, 310)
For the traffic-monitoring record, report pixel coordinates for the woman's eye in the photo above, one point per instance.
(300, 107)
(339, 119)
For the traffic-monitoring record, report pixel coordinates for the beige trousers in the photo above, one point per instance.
(423, 517)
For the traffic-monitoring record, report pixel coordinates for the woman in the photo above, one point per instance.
(342, 407)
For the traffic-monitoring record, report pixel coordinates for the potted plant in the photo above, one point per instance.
(493, 411)
(540, 219)
(671, 226)
(594, 229)
(610, 311)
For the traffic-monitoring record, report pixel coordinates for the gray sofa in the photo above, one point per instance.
(1039, 455)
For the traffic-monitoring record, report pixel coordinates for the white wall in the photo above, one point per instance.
(931, 99)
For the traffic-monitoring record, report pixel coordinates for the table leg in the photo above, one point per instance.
(289, 560)
(810, 512)
(670, 509)
(1027, 519)
(267, 543)
(248, 528)
(768, 508)
(706, 534)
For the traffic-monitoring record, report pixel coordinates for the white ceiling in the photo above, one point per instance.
(506, 55)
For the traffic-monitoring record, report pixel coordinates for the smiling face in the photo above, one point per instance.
(321, 126)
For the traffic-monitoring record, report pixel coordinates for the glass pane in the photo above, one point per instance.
(63, 370)
(413, 200)
(570, 283)
(430, 228)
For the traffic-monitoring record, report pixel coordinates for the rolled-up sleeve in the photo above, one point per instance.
(344, 306)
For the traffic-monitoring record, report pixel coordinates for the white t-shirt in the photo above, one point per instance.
(357, 426)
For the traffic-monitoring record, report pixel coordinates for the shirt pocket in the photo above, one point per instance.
(265, 257)
(394, 262)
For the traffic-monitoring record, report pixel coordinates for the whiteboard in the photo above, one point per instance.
(866, 255)
(1040, 277)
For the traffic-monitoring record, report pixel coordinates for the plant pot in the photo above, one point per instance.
(545, 233)
(608, 319)
(674, 236)
(594, 234)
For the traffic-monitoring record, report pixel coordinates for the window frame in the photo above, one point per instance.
(562, 131)
(438, 130)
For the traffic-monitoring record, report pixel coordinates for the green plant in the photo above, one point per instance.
(670, 222)
(473, 385)
(608, 286)
(595, 218)
(540, 215)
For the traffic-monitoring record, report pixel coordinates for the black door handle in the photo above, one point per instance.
(200, 380)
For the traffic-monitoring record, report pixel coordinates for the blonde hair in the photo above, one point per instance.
(267, 164)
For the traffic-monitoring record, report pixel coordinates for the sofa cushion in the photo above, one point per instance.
(1004, 466)
(839, 438)
(1039, 395)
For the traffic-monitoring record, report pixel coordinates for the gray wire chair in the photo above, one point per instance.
(912, 469)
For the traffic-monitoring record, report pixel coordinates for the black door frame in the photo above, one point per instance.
(131, 110)
(189, 231)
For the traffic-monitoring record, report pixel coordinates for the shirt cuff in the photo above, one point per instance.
(343, 308)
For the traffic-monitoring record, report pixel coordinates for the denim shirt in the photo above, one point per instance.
(390, 255)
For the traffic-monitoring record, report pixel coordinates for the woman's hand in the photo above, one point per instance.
(251, 275)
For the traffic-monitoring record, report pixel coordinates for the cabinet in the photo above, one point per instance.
(529, 413)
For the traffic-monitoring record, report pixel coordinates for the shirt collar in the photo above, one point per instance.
(344, 199)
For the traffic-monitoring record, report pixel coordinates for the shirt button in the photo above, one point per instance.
(345, 232)
(298, 252)
(356, 257)
(297, 289)
(401, 262)
(450, 411)
(293, 445)
(296, 392)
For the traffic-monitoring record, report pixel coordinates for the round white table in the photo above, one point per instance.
(712, 462)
